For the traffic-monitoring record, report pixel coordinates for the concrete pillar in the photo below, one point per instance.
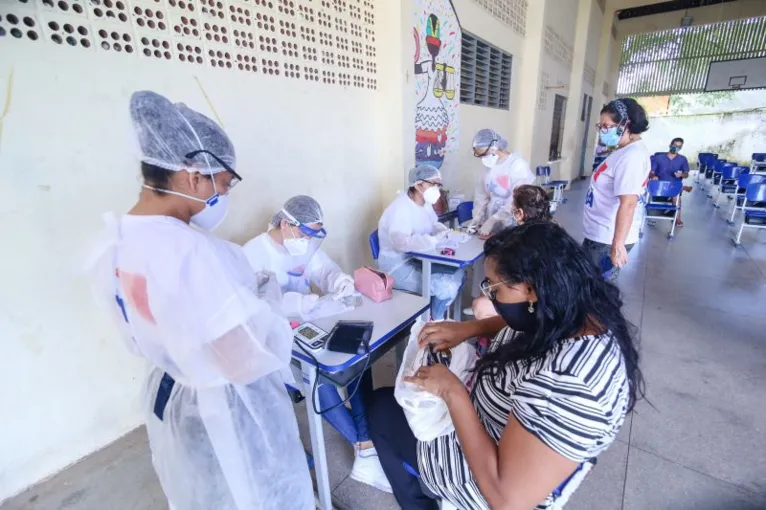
(604, 55)
(529, 80)
(569, 167)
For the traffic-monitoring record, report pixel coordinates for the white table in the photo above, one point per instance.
(466, 254)
(389, 318)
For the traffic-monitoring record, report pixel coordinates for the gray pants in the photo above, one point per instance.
(599, 253)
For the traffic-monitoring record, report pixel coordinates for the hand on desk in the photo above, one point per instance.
(484, 237)
(443, 335)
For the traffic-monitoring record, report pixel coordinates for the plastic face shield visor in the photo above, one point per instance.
(311, 237)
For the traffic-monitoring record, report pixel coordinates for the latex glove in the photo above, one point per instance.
(268, 286)
(472, 229)
(344, 286)
(440, 227)
(327, 306)
(487, 227)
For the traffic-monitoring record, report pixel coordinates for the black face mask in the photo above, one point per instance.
(518, 315)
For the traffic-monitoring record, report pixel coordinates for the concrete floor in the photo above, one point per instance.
(699, 442)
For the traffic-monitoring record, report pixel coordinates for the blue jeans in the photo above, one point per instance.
(446, 282)
(352, 424)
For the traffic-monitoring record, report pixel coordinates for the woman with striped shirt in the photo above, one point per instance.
(549, 396)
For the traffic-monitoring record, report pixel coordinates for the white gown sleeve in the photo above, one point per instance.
(480, 203)
(326, 274)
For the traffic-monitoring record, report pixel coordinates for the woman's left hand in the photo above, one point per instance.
(437, 380)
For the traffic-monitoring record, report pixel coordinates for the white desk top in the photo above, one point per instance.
(389, 318)
(466, 254)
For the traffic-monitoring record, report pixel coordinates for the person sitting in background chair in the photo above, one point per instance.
(671, 166)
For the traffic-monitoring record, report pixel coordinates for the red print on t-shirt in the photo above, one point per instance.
(134, 286)
(601, 169)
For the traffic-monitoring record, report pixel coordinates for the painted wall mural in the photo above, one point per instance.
(437, 80)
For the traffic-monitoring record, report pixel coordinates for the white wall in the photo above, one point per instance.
(462, 169)
(67, 156)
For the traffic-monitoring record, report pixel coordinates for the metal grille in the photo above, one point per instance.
(677, 60)
(485, 74)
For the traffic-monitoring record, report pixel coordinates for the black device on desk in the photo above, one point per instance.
(350, 337)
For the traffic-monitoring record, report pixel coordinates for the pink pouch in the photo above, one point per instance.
(374, 284)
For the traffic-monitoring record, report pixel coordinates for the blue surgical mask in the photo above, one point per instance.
(611, 137)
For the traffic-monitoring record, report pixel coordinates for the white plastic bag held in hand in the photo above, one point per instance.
(426, 413)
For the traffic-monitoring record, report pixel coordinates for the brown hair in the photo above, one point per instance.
(533, 202)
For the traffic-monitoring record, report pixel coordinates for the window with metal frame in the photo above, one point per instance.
(485, 74)
(676, 61)
(557, 127)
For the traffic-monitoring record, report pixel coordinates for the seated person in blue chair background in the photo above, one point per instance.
(408, 224)
(290, 250)
(671, 166)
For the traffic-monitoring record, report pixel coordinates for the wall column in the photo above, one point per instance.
(572, 125)
(529, 79)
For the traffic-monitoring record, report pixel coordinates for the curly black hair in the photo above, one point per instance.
(571, 295)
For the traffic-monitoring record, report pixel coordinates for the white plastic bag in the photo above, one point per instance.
(426, 413)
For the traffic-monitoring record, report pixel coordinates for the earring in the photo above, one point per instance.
(531, 308)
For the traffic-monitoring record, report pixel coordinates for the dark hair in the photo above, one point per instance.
(628, 107)
(677, 139)
(533, 202)
(571, 294)
(155, 176)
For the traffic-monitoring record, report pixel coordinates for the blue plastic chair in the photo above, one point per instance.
(705, 159)
(728, 183)
(755, 214)
(374, 245)
(667, 190)
(744, 180)
(464, 212)
(758, 163)
(717, 173)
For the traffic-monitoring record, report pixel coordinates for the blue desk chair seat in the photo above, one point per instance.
(758, 162)
(728, 183)
(743, 181)
(464, 212)
(754, 208)
(663, 190)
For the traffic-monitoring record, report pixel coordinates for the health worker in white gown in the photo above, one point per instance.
(221, 426)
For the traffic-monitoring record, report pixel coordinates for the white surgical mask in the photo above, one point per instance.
(490, 160)
(209, 218)
(432, 195)
(296, 247)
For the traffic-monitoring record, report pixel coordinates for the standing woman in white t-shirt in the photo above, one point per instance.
(611, 222)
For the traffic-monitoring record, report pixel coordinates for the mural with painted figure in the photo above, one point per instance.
(437, 71)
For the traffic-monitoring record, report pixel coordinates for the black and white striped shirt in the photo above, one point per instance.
(574, 399)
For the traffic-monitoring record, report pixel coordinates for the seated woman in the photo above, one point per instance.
(290, 250)
(546, 400)
(530, 203)
(408, 224)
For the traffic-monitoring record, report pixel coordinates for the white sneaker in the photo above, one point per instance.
(367, 470)
(468, 311)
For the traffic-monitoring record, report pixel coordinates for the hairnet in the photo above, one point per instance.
(167, 132)
(303, 208)
(423, 173)
(484, 138)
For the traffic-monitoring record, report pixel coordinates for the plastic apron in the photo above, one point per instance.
(215, 444)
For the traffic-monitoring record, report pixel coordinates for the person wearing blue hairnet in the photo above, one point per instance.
(221, 427)
(291, 250)
(408, 224)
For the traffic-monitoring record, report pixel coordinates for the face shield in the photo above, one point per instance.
(301, 243)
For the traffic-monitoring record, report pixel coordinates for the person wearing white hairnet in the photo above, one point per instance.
(493, 199)
(221, 427)
(503, 172)
(291, 250)
(408, 224)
